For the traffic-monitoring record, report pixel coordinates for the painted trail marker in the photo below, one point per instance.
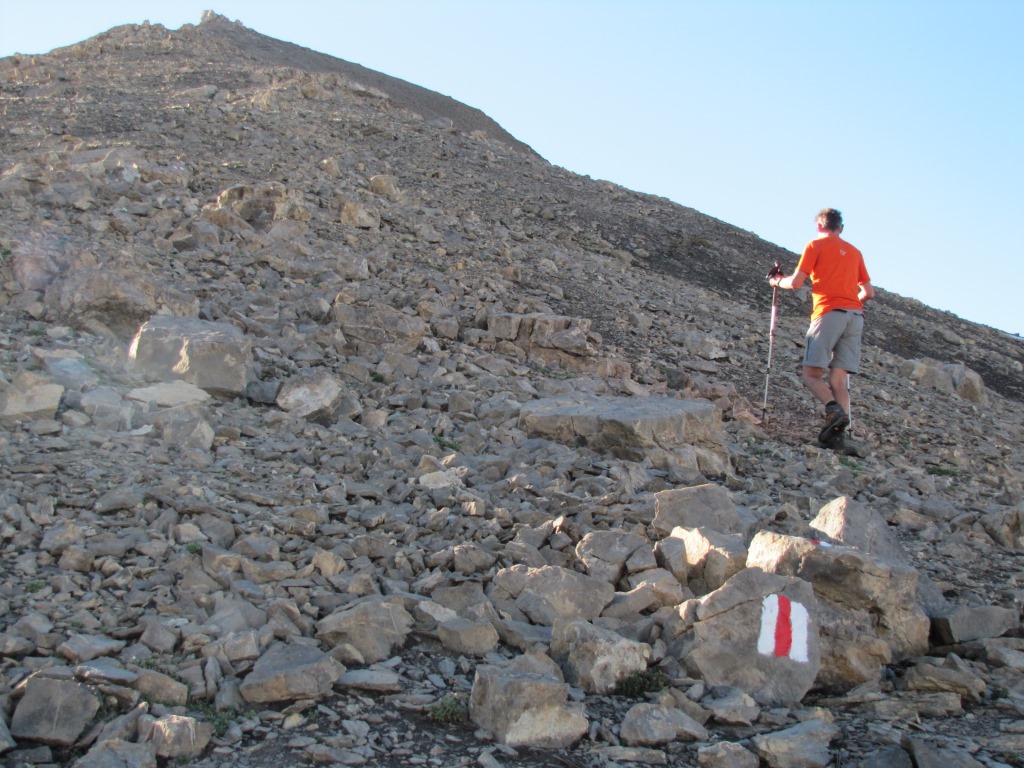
(783, 629)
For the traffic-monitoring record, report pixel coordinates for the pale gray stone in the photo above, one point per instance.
(288, 672)
(29, 397)
(805, 745)
(524, 704)
(78, 648)
(726, 754)
(314, 395)
(927, 755)
(375, 628)
(118, 753)
(730, 624)
(471, 638)
(54, 712)
(653, 724)
(626, 427)
(552, 592)
(849, 578)
(731, 706)
(701, 506)
(371, 680)
(175, 736)
(929, 677)
(711, 556)
(159, 687)
(593, 658)
(963, 623)
(604, 553)
(215, 357)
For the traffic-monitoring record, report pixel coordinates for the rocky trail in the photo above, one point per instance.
(338, 427)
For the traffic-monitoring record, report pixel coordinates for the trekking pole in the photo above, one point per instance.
(849, 414)
(775, 271)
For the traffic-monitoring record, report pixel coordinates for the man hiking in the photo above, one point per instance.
(840, 286)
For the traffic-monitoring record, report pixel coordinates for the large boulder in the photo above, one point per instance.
(851, 580)
(117, 300)
(524, 704)
(596, 659)
(551, 592)
(29, 397)
(215, 357)
(631, 427)
(374, 628)
(699, 506)
(54, 712)
(757, 633)
(290, 672)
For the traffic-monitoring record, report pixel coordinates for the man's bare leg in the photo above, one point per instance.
(814, 381)
(838, 380)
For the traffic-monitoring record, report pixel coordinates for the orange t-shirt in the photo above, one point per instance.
(837, 271)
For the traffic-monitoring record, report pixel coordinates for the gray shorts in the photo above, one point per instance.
(833, 340)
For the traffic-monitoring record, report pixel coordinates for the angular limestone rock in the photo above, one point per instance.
(804, 745)
(851, 579)
(215, 357)
(726, 754)
(524, 704)
(375, 628)
(604, 553)
(29, 397)
(627, 427)
(54, 711)
(175, 736)
(757, 633)
(289, 672)
(552, 592)
(593, 658)
(116, 752)
(315, 395)
(700, 506)
(652, 724)
(711, 557)
(962, 623)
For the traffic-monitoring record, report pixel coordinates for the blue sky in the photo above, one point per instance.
(904, 114)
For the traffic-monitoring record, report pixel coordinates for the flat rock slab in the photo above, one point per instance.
(624, 426)
(54, 711)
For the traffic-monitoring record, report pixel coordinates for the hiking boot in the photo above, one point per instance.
(836, 421)
(843, 445)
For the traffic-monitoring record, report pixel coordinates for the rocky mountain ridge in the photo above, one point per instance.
(322, 393)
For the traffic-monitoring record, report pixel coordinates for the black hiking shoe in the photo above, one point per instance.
(836, 421)
(843, 445)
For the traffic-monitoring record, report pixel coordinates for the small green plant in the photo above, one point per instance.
(35, 585)
(555, 373)
(377, 377)
(846, 461)
(639, 683)
(440, 268)
(943, 471)
(446, 443)
(194, 547)
(447, 711)
(220, 720)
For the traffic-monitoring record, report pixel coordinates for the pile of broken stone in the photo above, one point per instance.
(260, 502)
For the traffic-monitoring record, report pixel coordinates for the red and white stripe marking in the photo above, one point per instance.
(783, 628)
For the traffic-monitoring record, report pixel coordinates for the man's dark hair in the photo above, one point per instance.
(831, 219)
